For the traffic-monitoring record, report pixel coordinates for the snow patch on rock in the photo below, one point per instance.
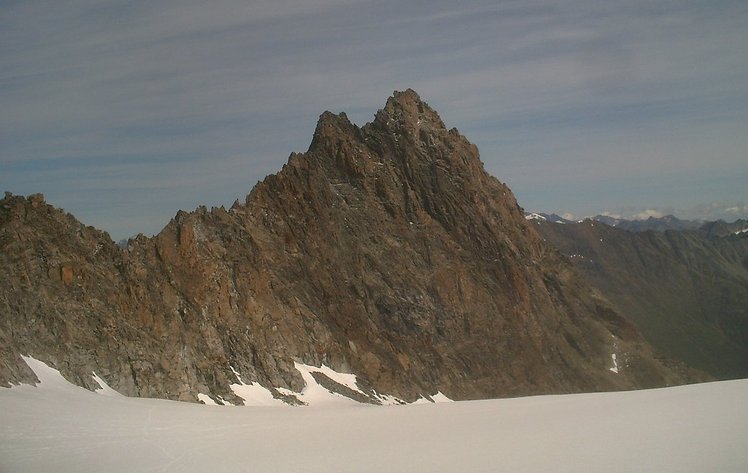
(105, 390)
(254, 394)
(534, 216)
(207, 400)
(614, 368)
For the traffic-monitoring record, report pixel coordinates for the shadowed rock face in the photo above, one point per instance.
(386, 251)
(686, 290)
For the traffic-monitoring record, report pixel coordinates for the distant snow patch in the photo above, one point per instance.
(615, 364)
(433, 399)
(534, 216)
(346, 379)
(206, 400)
(316, 394)
(439, 397)
(254, 394)
(105, 390)
(53, 382)
(388, 400)
(313, 393)
(47, 375)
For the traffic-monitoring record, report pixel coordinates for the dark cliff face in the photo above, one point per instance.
(686, 290)
(386, 251)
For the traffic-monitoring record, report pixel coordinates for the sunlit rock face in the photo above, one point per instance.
(385, 251)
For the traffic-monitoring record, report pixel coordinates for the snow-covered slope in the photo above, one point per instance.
(59, 427)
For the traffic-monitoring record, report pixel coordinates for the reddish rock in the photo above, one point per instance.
(66, 274)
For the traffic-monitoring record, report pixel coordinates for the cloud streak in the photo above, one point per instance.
(728, 211)
(570, 102)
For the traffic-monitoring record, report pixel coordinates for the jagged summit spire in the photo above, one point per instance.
(406, 130)
(406, 110)
(406, 96)
(330, 127)
(404, 114)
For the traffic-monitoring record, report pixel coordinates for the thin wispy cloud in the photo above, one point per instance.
(728, 211)
(575, 104)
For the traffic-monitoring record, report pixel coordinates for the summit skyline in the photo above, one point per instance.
(123, 113)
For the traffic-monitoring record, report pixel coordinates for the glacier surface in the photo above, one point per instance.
(59, 427)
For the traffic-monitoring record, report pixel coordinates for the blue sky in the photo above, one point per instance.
(125, 112)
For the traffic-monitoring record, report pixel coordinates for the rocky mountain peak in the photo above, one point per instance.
(406, 112)
(331, 128)
(386, 251)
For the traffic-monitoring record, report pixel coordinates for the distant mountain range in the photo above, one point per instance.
(658, 224)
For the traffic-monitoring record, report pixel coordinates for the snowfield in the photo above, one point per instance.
(58, 427)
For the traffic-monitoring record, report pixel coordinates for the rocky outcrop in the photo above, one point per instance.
(687, 291)
(384, 250)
